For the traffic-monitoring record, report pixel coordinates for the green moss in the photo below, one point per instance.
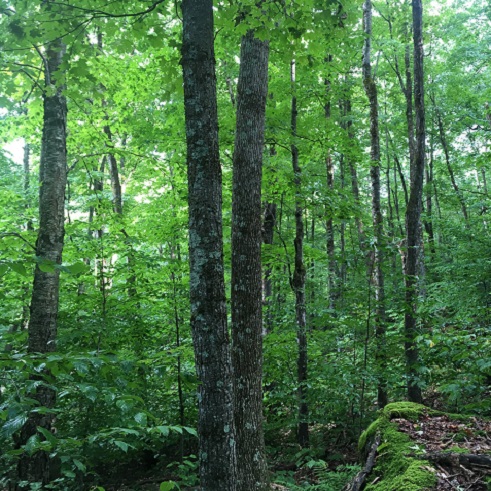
(395, 470)
(406, 410)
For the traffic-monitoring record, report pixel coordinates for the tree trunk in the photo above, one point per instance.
(378, 277)
(446, 152)
(49, 247)
(218, 469)
(246, 264)
(413, 214)
(298, 284)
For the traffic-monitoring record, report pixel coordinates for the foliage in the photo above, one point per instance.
(123, 368)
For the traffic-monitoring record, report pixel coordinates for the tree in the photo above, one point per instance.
(207, 289)
(43, 321)
(298, 280)
(378, 274)
(413, 213)
(246, 263)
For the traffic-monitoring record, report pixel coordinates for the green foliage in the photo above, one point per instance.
(123, 367)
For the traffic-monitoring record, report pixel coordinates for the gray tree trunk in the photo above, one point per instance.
(298, 283)
(217, 457)
(413, 213)
(378, 276)
(49, 247)
(246, 264)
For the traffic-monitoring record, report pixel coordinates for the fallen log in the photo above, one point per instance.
(357, 483)
(482, 462)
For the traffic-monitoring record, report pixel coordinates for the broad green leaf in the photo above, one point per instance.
(32, 444)
(168, 486)
(122, 445)
(19, 268)
(79, 465)
(141, 418)
(13, 425)
(191, 431)
(48, 435)
(163, 429)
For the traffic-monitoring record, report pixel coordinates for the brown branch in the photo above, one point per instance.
(357, 483)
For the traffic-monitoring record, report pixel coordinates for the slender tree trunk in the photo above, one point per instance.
(429, 201)
(42, 330)
(298, 283)
(246, 264)
(268, 236)
(443, 141)
(413, 213)
(218, 470)
(331, 245)
(378, 277)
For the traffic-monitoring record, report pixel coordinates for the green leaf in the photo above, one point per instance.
(168, 486)
(79, 465)
(19, 268)
(32, 444)
(48, 435)
(141, 418)
(76, 268)
(191, 431)
(3, 269)
(164, 430)
(12, 425)
(47, 266)
(122, 445)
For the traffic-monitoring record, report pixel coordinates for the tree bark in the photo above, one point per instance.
(298, 284)
(246, 264)
(49, 247)
(217, 457)
(378, 276)
(413, 214)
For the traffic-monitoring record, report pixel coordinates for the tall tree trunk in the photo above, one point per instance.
(49, 246)
(246, 264)
(378, 277)
(298, 283)
(331, 245)
(218, 470)
(413, 213)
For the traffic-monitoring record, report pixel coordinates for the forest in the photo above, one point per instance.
(235, 234)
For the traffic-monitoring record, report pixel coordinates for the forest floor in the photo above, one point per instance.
(432, 435)
(438, 434)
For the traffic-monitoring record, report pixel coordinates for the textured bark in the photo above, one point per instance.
(246, 264)
(413, 213)
(378, 275)
(207, 289)
(298, 284)
(49, 246)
